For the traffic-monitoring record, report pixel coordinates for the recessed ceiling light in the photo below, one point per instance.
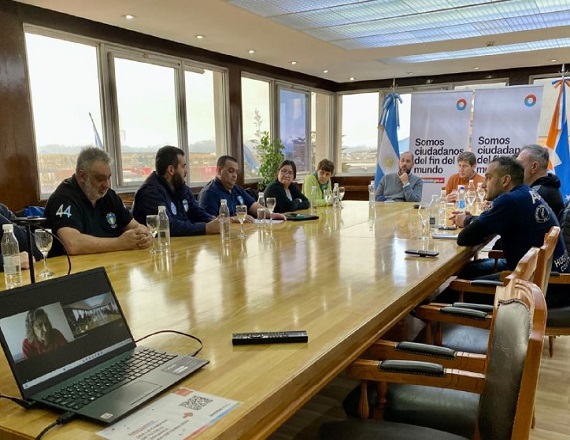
(352, 78)
(553, 61)
(325, 71)
(199, 37)
(293, 62)
(429, 81)
(409, 73)
(476, 68)
(251, 51)
(128, 16)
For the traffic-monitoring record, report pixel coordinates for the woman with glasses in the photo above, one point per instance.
(284, 189)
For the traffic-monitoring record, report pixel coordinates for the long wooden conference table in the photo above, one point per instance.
(344, 278)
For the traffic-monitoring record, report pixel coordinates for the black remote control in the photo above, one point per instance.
(269, 337)
(422, 253)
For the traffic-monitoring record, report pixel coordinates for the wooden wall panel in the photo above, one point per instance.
(18, 173)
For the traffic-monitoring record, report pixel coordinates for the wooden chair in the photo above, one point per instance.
(504, 394)
(448, 334)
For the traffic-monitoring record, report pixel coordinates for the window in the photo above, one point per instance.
(66, 105)
(146, 103)
(206, 110)
(359, 133)
(293, 127)
(151, 100)
(256, 120)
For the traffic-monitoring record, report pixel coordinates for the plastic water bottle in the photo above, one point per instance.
(461, 198)
(11, 256)
(433, 208)
(313, 200)
(163, 232)
(261, 199)
(224, 219)
(442, 209)
(371, 194)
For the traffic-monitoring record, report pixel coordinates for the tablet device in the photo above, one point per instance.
(298, 217)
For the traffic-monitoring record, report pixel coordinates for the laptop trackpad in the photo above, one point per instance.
(134, 392)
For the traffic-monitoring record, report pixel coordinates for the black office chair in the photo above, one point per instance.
(503, 403)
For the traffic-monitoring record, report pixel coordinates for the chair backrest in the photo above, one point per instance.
(525, 270)
(507, 403)
(565, 224)
(545, 257)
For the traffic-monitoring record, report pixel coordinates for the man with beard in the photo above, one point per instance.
(402, 186)
(88, 216)
(167, 186)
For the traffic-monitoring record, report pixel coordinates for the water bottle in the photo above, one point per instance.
(163, 232)
(335, 198)
(261, 199)
(11, 256)
(442, 209)
(461, 198)
(313, 200)
(224, 219)
(371, 194)
(433, 208)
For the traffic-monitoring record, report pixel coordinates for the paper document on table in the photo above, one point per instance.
(443, 235)
(266, 221)
(181, 414)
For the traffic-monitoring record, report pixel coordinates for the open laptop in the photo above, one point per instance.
(87, 336)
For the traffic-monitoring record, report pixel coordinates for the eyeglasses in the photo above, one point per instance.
(286, 172)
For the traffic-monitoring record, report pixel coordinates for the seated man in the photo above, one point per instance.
(88, 216)
(167, 186)
(534, 160)
(223, 186)
(321, 179)
(467, 163)
(6, 217)
(516, 213)
(402, 186)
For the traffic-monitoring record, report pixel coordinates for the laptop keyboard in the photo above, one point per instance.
(91, 388)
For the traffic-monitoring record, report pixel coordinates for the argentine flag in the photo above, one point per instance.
(557, 139)
(388, 153)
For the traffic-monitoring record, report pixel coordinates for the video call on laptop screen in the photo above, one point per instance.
(57, 328)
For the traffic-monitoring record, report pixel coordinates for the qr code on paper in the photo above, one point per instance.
(196, 403)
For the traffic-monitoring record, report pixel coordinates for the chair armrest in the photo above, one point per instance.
(438, 312)
(414, 351)
(477, 286)
(559, 278)
(364, 369)
(496, 254)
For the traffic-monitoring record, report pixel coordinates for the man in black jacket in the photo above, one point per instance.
(534, 160)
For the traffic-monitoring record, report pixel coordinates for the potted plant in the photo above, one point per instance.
(271, 156)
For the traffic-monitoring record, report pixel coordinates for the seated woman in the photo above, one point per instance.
(41, 336)
(287, 195)
(321, 180)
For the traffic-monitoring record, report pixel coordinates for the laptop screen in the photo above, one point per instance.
(55, 329)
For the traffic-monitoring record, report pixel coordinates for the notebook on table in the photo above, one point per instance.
(69, 347)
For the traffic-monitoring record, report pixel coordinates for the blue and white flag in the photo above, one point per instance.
(388, 152)
(98, 142)
(557, 139)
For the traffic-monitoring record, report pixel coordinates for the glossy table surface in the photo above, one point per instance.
(344, 278)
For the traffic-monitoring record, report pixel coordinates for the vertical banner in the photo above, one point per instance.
(504, 120)
(439, 131)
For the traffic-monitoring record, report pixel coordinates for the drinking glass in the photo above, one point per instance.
(470, 198)
(152, 225)
(44, 241)
(327, 196)
(341, 192)
(423, 212)
(241, 213)
(270, 203)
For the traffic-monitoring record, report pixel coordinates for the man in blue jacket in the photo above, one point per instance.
(167, 186)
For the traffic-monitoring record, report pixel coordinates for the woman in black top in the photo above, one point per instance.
(284, 189)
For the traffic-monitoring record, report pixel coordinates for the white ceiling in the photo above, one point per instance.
(365, 40)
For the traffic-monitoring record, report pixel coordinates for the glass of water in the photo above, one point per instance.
(271, 202)
(341, 192)
(152, 225)
(241, 213)
(44, 241)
